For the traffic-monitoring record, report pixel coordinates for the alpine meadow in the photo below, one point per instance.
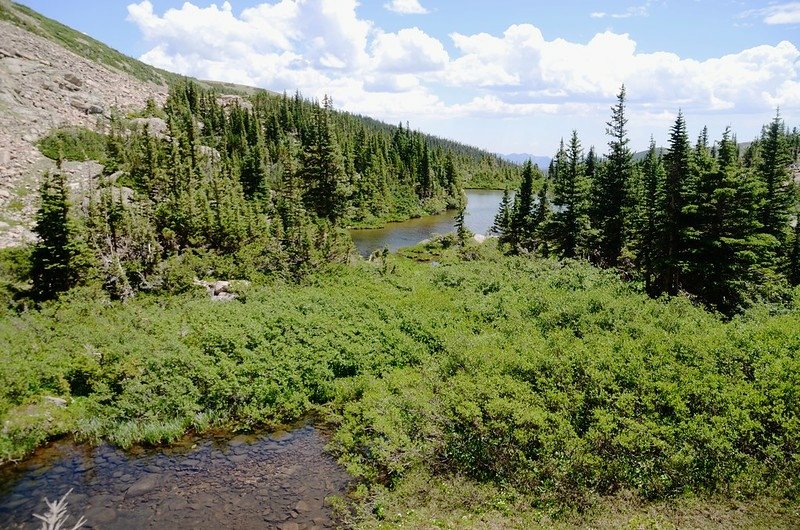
(180, 281)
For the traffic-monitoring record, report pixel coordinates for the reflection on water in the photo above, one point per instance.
(220, 482)
(479, 216)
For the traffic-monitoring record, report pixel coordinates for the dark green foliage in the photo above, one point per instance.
(260, 187)
(611, 195)
(775, 157)
(570, 220)
(502, 221)
(74, 143)
(677, 166)
(462, 233)
(55, 261)
(521, 231)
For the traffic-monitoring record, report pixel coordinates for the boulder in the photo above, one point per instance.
(57, 401)
(73, 80)
(156, 127)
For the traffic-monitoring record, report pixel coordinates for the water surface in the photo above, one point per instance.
(479, 215)
(248, 482)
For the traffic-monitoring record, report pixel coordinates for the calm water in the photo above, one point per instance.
(479, 216)
(247, 482)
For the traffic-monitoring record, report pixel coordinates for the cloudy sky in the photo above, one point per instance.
(506, 75)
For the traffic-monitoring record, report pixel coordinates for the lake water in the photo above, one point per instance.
(481, 208)
(213, 482)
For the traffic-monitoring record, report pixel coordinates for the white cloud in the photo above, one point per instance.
(632, 11)
(408, 50)
(324, 47)
(406, 7)
(787, 13)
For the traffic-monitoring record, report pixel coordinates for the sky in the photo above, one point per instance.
(504, 75)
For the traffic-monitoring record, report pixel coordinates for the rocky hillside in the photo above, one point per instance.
(52, 76)
(42, 86)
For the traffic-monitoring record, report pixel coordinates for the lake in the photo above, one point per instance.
(481, 208)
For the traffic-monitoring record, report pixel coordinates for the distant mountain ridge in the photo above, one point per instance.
(521, 158)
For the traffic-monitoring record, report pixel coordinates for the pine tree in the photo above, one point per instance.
(461, 228)
(540, 221)
(612, 187)
(502, 221)
(53, 256)
(570, 221)
(775, 159)
(650, 232)
(794, 256)
(523, 207)
(677, 165)
(323, 171)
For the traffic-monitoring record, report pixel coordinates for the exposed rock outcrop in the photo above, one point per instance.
(43, 86)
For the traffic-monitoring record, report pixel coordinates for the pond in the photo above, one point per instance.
(214, 482)
(481, 208)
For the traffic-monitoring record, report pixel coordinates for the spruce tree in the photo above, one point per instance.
(677, 165)
(612, 189)
(570, 221)
(461, 228)
(523, 207)
(650, 230)
(502, 221)
(773, 170)
(53, 255)
(323, 170)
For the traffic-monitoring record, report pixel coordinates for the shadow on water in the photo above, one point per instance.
(214, 482)
(482, 206)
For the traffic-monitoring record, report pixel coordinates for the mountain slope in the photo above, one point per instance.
(52, 76)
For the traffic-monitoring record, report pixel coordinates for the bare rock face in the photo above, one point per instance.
(156, 127)
(44, 86)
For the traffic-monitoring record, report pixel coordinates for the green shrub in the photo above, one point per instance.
(74, 143)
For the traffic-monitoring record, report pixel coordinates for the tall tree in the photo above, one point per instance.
(52, 261)
(323, 170)
(650, 230)
(570, 220)
(773, 170)
(523, 207)
(677, 165)
(612, 187)
(502, 221)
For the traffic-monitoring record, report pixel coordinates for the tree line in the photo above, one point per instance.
(709, 219)
(240, 188)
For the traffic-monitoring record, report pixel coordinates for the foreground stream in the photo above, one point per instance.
(248, 482)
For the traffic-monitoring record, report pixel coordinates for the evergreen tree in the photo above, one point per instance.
(502, 221)
(523, 207)
(773, 170)
(612, 189)
(677, 165)
(322, 170)
(52, 261)
(461, 228)
(794, 255)
(540, 220)
(570, 220)
(650, 230)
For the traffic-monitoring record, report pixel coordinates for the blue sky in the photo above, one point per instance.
(504, 75)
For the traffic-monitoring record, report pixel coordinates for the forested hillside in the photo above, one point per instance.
(702, 218)
(236, 188)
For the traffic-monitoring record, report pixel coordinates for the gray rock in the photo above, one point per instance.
(73, 80)
(156, 127)
(145, 484)
(57, 401)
